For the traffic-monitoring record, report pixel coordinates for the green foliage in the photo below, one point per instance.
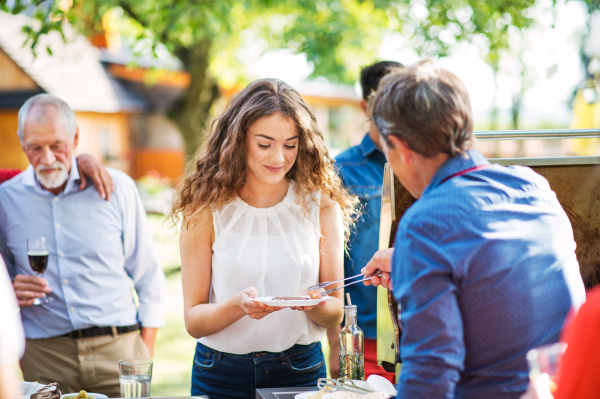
(338, 37)
(592, 5)
(436, 26)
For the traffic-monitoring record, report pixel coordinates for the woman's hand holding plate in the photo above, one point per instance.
(254, 310)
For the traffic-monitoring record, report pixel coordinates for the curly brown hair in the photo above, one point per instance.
(218, 171)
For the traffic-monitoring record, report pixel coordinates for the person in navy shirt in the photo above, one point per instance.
(484, 264)
(361, 170)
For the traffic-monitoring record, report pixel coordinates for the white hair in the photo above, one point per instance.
(43, 100)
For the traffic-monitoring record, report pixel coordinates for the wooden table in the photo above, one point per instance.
(282, 393)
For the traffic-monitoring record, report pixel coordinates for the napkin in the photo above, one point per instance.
(28, 388)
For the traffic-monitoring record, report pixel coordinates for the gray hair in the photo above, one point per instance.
(426, 106)
(43, 100)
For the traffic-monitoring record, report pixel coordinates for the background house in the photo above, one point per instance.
(121, 110)
(121, 121)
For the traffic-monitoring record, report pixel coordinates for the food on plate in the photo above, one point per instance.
(314, 294)
(291, 298)
(349, 395)
(50, 391)
(376, 395)
(318, 395)
(81, 395)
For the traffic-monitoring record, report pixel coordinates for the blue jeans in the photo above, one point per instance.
(223, 375)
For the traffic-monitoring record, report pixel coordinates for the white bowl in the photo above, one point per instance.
(73, 395)
(380, 384)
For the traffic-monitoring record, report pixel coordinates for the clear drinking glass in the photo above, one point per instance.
(135, 376)
(546, 359)
(38, 260)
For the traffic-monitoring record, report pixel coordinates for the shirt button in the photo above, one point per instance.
(62, 254)
(66, 281)
(58, 225)
(71, 308)
(55, 199)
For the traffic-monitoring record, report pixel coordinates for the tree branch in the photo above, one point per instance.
(184, 7)
(165, 32)
(133, 15)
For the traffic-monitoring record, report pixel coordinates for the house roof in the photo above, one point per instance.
(74, 71)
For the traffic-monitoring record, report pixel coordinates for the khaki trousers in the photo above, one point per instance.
(85, 363)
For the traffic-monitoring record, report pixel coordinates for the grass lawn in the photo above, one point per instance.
(174, 351)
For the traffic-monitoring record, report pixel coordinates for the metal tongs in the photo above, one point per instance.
(326, 283)
(341, 384)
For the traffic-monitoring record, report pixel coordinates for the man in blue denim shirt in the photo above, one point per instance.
(361, 169)
(484, 264)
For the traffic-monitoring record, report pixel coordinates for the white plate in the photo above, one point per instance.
(74, 394)
(268, 300)
(306, 395)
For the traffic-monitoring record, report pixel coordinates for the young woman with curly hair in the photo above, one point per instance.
(263, 214)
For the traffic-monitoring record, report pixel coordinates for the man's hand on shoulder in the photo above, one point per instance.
(380, 262)
(90, 167)
(27, 288)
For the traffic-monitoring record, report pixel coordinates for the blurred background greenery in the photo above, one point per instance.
(525, 62)
(174, 349)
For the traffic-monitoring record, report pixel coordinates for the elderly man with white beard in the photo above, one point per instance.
(97, 252)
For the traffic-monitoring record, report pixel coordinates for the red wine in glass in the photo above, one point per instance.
(38, 260)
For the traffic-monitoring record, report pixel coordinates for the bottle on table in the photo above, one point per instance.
(352, 361)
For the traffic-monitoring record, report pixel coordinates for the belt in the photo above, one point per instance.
(100, 331)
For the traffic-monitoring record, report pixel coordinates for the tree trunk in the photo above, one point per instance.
(192, 110)
(494, 114)
(517, 100)
(516, 113)
(516, 110)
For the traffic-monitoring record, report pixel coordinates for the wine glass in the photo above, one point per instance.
(546, 359)
(38, 259)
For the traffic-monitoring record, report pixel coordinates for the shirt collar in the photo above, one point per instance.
(29, 178)
(456, 164)
(367, 146)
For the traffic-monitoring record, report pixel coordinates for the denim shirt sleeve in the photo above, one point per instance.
(433, 349)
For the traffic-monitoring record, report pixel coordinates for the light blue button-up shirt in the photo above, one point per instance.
(98, 251)
(484, 269)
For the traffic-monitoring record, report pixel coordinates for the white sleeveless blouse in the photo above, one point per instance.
(275, 250)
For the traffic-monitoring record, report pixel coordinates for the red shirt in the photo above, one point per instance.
(7, 174)
(581, 361)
